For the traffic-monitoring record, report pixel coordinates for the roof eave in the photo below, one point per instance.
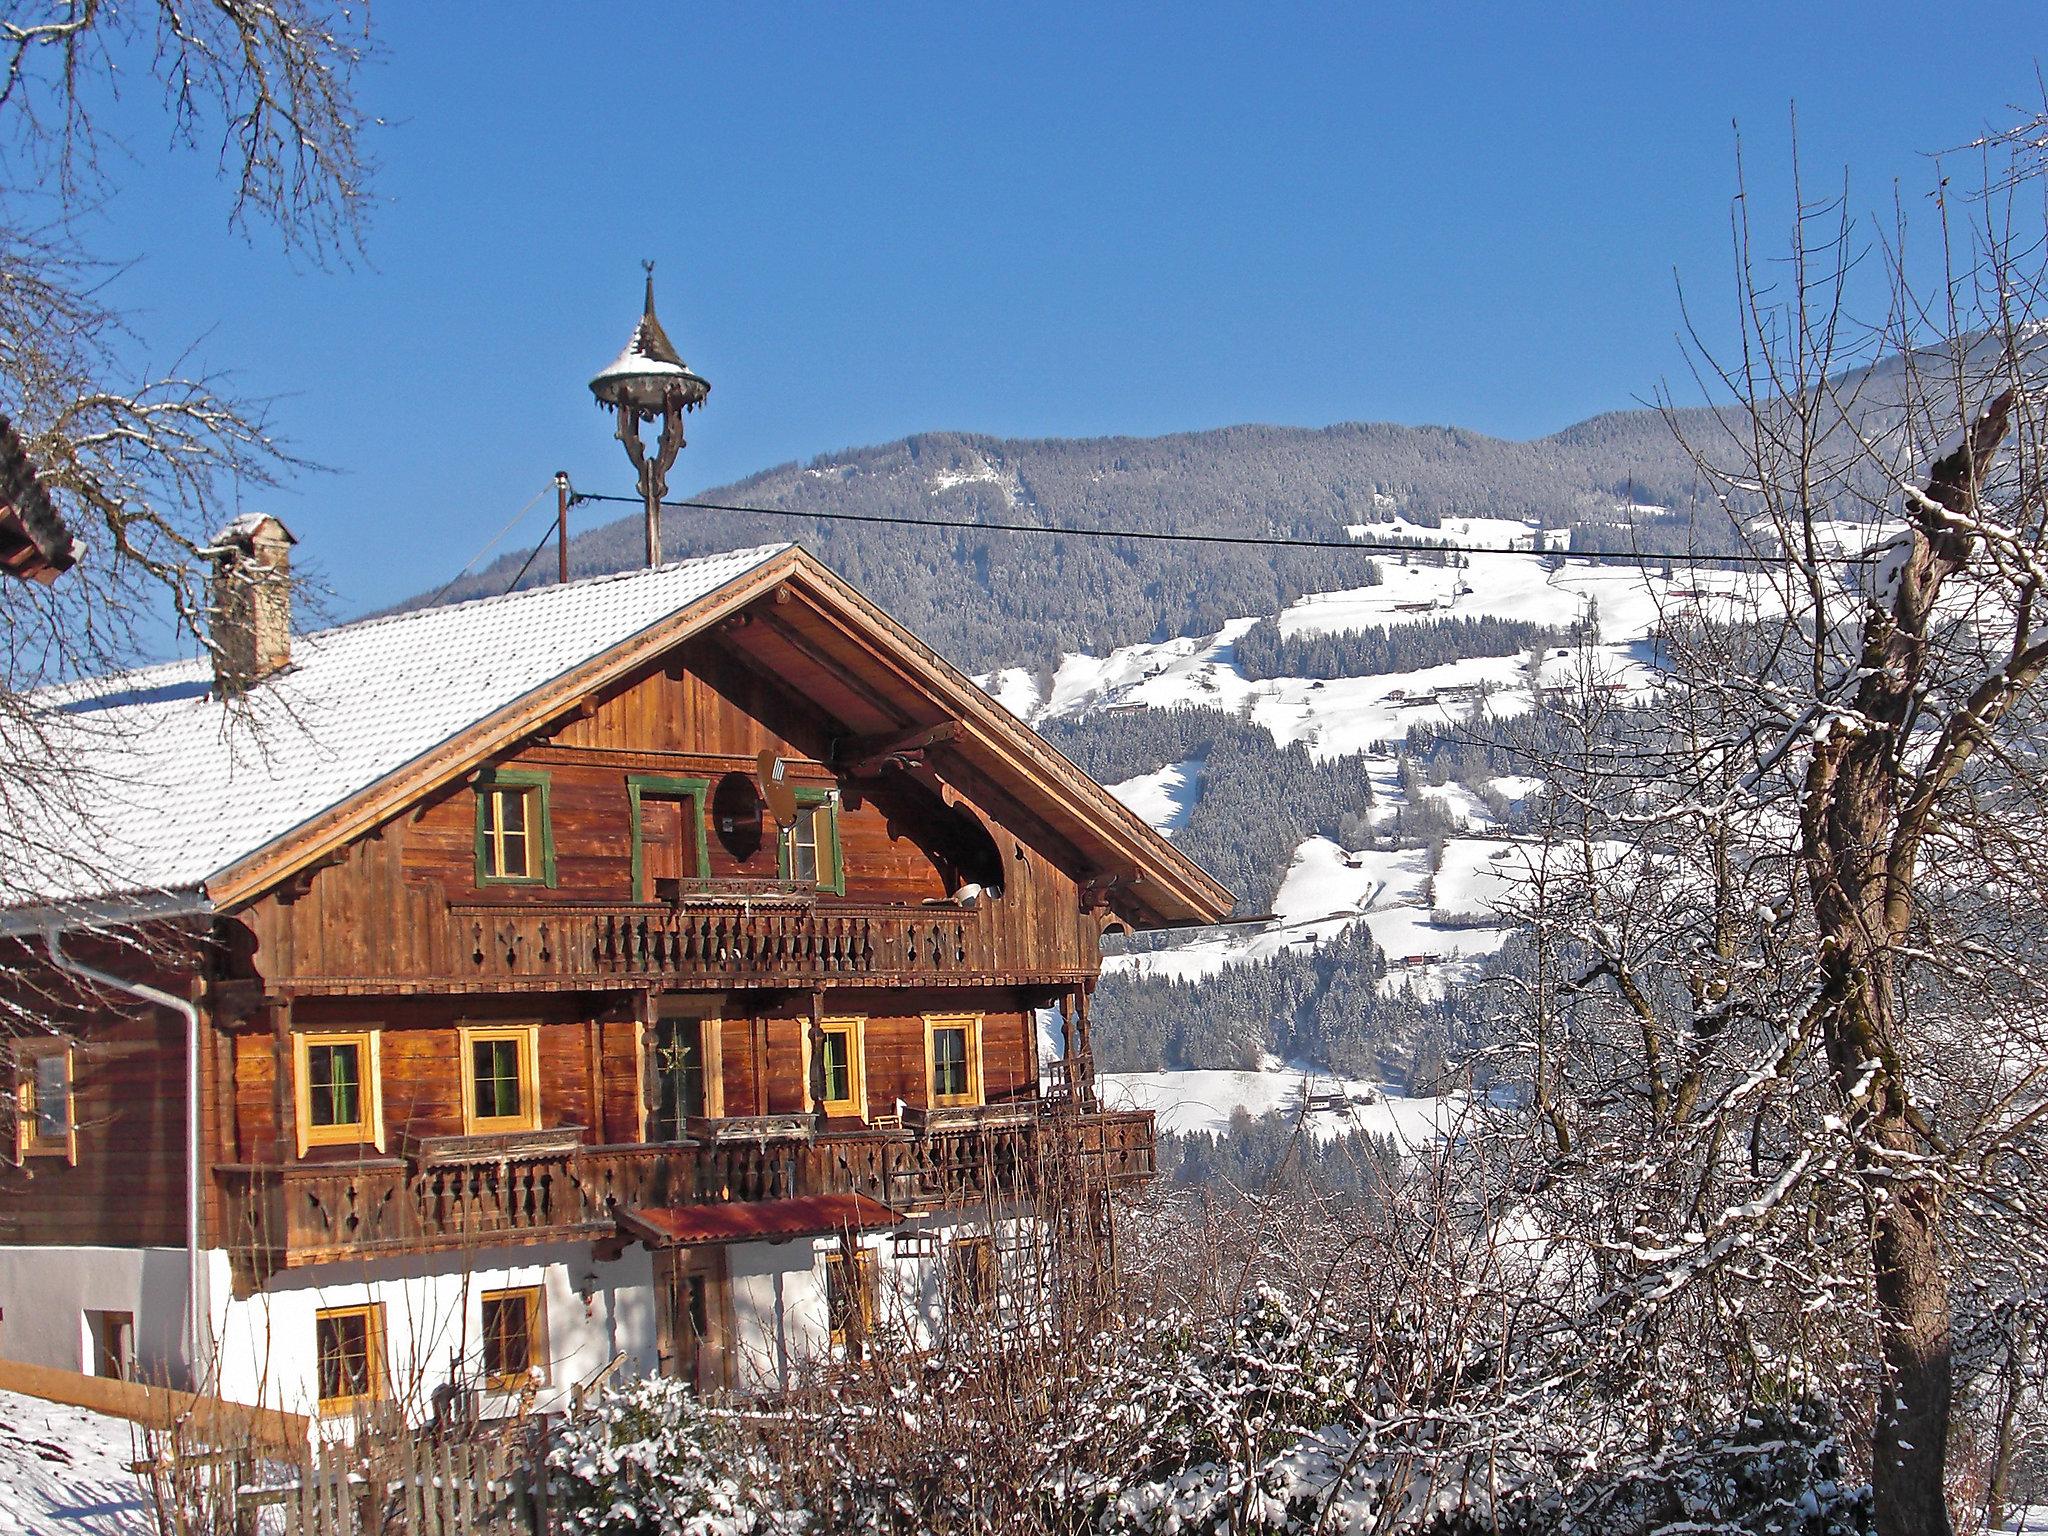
(125, 911)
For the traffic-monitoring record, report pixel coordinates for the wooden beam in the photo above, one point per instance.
(864, 757)
(773, 623)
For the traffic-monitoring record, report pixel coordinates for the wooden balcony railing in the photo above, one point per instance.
(313, 1213)
(734, 941)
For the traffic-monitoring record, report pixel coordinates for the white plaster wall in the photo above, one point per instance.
(433, 1305)
(45, 1293)
(780, 1320)
(778, 1311)
(432, 1322)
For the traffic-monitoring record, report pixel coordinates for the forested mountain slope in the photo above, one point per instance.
(986, 599)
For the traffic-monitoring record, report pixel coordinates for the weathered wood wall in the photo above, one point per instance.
(127, 1186)
(381, 913)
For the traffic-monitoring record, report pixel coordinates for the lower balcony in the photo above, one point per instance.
(283, 1217)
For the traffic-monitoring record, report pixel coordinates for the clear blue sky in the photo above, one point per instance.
(871, 221)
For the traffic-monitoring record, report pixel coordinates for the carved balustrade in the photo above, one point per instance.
(278, 1217)
(734, 941)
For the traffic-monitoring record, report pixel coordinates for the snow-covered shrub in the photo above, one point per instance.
(1779, 1472)
(649, 1459)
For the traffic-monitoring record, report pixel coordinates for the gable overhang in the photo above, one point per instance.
(1142, 878)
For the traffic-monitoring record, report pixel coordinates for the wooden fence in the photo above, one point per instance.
(198, 1415)
(409, 1485)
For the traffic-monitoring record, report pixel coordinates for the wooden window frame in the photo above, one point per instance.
(378, 1387)
(713, 1027)
(367, 1131)
(539, 787)
(868, 1297)
(963, 1273)
(855, 1105)
(785, 847)
(28, 1054)
(976, 1095)
(536, 1371)
(696, 791)
(527, 1038)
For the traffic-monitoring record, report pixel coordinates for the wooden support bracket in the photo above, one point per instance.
(865, 757)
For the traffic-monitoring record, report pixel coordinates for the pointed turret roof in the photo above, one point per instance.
(650, 368)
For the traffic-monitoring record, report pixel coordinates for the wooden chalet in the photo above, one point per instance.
(645, 972)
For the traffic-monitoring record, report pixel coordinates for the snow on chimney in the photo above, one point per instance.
(252, 601)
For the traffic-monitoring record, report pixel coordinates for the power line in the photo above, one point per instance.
(532, 555)
(435, 600)
(1354, 546)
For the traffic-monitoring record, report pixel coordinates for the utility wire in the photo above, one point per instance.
(489, 543)
(531, 556)
(1355, 546)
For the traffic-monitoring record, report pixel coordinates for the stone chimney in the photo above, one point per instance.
(252, 601)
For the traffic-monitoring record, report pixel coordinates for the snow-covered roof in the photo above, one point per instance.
(188, 784)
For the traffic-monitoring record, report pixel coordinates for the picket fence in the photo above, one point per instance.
(410, 1487)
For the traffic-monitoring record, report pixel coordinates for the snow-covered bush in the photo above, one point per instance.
(649, 1459)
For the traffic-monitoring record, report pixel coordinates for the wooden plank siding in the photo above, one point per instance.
(127, 1184)
(393, 932)
(382, 914)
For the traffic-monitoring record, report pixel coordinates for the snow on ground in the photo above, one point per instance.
(1327, 890)
(64, 1470)
(1515, 787)
(1459, 803)
(1184, 1103)
(1464, 530)
(1478, 877)
(1164, 797)
(1162, 676)
(1013, 687)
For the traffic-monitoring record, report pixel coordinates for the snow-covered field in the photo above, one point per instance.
(65, 1470)
(1188, 1102)
(1433, 921)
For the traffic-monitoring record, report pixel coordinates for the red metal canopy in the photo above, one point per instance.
(674, 1226)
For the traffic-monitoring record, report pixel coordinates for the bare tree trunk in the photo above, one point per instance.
(1863, 822)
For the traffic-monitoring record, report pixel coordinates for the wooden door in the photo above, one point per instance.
(692, 1325)
(668, 846)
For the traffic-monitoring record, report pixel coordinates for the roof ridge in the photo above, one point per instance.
(175, 667)
(758, 551)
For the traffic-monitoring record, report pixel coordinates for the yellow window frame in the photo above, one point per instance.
(369, 1055)
(855, 1028)
(971, 1024)
(376, 1382)
(526, 1037)
(28, 1058)
(535, 1371)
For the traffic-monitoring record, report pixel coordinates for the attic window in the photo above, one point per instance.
(515, 838)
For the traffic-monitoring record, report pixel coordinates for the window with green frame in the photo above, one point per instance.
(515, 834)
(810, 850)
(668, 834)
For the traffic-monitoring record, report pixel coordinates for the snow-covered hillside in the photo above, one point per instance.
(1434, 910)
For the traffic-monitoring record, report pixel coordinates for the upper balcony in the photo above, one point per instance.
(771, 934)
(282, 1217)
